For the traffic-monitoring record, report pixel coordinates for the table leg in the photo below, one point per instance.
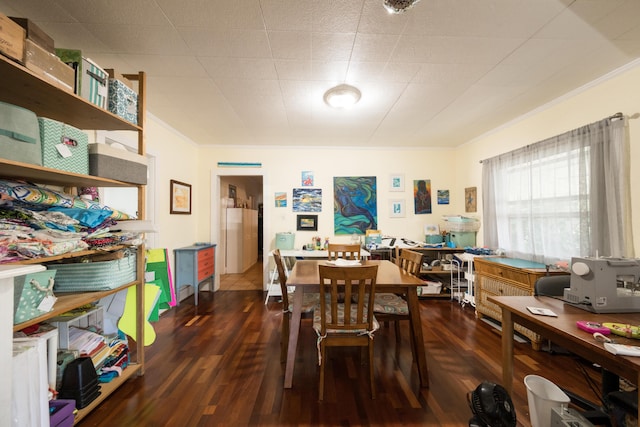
(507, 351)
(416, 332)
(294, 330)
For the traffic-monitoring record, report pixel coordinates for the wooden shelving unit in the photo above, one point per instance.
(20, 86)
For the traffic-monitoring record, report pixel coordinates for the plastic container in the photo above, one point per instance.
(543, 396)
(284, 241)
(463, 239)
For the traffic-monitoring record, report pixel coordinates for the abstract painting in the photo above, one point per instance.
(307, 200)
(355, 205)
(443, 197)
(281, 199)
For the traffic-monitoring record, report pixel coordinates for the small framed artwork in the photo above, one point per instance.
(470, 199)
(307, 178)
(233, 194)
(281, 199)
(180, 198)
(396, 208)
(396, 182)
(307, 223)
(443, 197)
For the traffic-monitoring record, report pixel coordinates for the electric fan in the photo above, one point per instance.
(491, 406)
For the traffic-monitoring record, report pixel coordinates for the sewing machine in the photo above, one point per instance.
(605, 285)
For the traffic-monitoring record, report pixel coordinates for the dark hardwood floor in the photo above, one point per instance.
(219, 365)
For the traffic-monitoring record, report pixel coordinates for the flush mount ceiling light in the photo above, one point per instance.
(342, 96)
(398, 6)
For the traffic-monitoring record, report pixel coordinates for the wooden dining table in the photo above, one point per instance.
(305, 276)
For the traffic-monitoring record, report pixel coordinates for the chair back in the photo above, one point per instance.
(410, 261)
(282, 278)
(552, 285)
(354, 287)
(337, 250)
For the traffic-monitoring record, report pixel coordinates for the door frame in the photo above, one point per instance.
(216, 216)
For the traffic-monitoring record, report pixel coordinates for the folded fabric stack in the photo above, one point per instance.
(38, 222)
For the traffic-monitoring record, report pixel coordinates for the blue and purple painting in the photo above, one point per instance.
(355, 204)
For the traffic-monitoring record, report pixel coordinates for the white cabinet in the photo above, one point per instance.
(241, 237)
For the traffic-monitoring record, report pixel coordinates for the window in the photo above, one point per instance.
(550, 201)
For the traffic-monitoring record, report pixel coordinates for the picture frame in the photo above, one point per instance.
(307, 223)
(180, 197)
(396, 208)
(396, 182)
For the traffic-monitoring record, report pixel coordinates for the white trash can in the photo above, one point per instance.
(543, 395)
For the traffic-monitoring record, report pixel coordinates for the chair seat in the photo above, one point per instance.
(310, 302)
(390, 304)
(317, 321)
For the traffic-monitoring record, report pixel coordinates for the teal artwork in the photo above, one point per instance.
(355, 204)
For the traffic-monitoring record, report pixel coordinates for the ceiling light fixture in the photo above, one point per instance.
(342, 96)
(398, 6)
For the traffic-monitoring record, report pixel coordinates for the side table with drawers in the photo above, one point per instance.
(194, 265)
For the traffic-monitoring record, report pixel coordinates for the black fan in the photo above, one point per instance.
(491, 406)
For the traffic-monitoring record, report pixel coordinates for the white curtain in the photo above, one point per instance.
(562, 197)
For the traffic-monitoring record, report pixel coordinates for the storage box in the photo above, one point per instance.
(73, 58)
(62, 412)
(433, 238)
(95, 276)
(64, 147)
(123, 101)
(430, 288)
(82, 319)
(19, 134)
(108, 162)
(11, 39)
(36, 34)
(463, 239)
(48, 66)
(285, 241)
(94, 83)
(31, 295)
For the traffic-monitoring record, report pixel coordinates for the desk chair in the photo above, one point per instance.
(309, 303)
(390, 307)
(348, 323)
(552, 286)
(336, 250)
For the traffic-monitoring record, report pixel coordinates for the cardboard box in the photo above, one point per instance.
(94, 83)
(120, 164)
(48, 66)
(73, 58)
(12, 38)
(36, 34)
(64, 147)
(19, 134)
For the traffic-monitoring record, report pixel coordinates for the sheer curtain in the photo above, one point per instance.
(562, 197)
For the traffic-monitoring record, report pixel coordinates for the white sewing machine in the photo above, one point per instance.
(605, 285)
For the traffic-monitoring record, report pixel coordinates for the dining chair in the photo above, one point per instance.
(390, 307)
(309, 303)
(344, 251)
(347, 323)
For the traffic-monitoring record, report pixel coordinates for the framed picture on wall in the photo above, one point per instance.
(396, 208)
(396, 182)
(307, 223)
(180, 198)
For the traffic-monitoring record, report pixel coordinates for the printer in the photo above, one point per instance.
(605, 285)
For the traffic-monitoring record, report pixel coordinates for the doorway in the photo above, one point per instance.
(240, 241)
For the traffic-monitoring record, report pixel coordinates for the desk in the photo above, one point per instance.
(305, 276)
(563, 331)
(273, 290)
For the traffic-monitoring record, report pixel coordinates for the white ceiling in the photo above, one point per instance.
(253, 72)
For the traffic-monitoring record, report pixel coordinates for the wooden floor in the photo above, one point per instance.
(219, 365)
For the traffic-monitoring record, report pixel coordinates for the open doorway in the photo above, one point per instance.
(241, 232)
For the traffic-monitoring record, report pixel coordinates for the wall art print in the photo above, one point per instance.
(422, 196)
(307, 179)
(443, 197)
(470, 199)
(355, 204)
(280, 199)
(307, 200)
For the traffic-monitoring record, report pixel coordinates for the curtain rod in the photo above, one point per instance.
(615, 116)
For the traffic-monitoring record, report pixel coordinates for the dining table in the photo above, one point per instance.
(305, 277)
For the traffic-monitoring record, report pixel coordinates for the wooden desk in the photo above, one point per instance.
(306, 278)
(563, 331)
